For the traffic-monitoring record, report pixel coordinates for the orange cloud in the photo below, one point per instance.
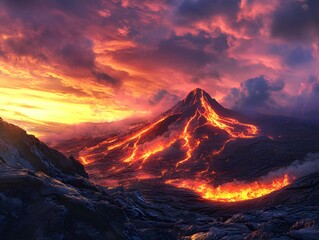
(104, 61)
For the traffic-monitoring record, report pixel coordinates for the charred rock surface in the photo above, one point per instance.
(18, 149)
(36, 206)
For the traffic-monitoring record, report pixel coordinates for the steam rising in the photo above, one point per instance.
(299, 168)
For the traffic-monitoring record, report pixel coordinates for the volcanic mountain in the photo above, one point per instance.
(45, 195)
(201, 146)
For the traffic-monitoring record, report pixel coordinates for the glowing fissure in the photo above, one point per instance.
(137, 154)
(186, 136)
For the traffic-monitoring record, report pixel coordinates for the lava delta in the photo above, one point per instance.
(184, 147)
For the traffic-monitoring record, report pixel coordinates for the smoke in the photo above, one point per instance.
(92, 130)
(299, 168)
(163, 142)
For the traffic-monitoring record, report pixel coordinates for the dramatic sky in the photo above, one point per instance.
(74, 61)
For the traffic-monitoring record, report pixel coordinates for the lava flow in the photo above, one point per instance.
(234, 191)
(183, 142)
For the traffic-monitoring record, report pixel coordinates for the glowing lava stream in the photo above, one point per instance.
(186, 136)
(84, 161)
(234, 191)
(225, 122)
(85, 155)
(137, 135)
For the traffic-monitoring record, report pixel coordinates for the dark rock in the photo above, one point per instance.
(305, 234)
(18, 149)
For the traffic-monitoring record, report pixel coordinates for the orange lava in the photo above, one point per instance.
(84, 161)
(231, 126)
(138, 152)
(135, 152)
(136, 135)
(234, 191)
(186, 136)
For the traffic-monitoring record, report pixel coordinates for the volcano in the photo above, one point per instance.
(201, 146)
(183, 175)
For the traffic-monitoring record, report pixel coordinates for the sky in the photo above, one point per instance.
(69, 62)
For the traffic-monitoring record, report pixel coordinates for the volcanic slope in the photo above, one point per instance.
(201, 146)
(44, 195)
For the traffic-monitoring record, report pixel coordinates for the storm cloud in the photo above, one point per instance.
(190, 10)
(255, 94)
(296, 20)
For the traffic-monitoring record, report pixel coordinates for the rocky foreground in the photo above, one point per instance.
(44, 195)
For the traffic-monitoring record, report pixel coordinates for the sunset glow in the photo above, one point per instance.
(95, 63)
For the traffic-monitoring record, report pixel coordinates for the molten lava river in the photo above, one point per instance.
(178, 149)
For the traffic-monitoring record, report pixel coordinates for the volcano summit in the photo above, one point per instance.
(199, 145)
